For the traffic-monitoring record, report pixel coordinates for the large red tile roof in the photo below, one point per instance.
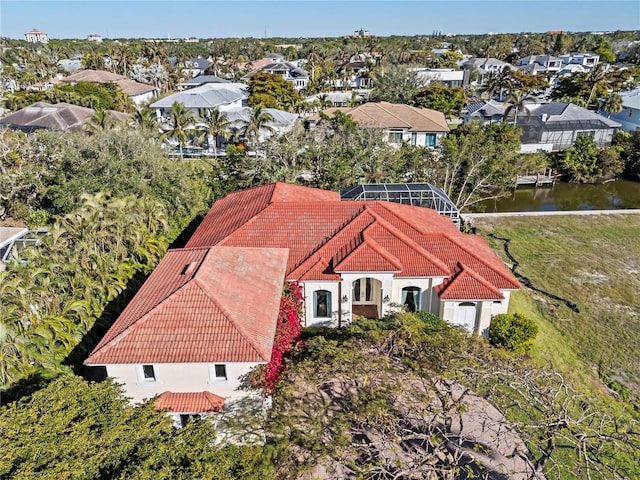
(326, 236)
(189, 402)
(193, 308)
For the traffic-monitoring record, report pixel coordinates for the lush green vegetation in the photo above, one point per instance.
(512, 331)
(112, 204)
(380, 397)
(592, 261)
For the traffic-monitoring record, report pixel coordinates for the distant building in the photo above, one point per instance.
(35, 36)
(94, 37)
(362, 33)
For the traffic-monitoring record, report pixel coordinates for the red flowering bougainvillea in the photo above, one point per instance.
(287, 337)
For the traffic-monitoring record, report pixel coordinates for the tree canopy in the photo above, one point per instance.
(272, 91)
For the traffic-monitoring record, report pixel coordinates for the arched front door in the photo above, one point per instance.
(465, 315)
(366, 297)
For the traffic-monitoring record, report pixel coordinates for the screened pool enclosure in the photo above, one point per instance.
(416, 194)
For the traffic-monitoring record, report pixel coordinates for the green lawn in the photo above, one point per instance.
(594, 261)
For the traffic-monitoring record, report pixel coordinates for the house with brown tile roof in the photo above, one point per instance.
(421, 127)
(139, 93)
(58, 116)
(213, 303)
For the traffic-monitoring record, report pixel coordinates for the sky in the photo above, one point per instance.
(309, 18)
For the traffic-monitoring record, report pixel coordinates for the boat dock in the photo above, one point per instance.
(544, 179)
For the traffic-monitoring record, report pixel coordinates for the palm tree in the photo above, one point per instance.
(216, 124)
(516, 102)
(258, 122)
(612, 104)
(597, 76)
(180, 120)
(145, 120)
(100, 120)
(499, 82)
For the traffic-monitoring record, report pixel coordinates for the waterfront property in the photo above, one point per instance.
(401, 123)
(548, 127)
(207, 314)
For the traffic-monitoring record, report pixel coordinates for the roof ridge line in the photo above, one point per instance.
(481, 260)
(142, 318)
(408, 241)
(368, 240)
(329, 237)
(240, 328)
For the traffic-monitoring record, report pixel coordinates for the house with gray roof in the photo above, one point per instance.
(551, 127)
(629, 116)
(223, 96)
(200, 80)
(535, 64)
(485, 65)
(287, 70)
(64, 117)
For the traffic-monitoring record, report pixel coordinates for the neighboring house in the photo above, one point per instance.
(94, 37)
(444, 76)
(93, 76)
(571, 69)
(485, 65)
(139, 93)
(223, 96)
(359, 74)
(204, 319)
(14, 239)
(629, 116)
(401, 123)
(587, 60)
(335, 99)
(196, 66)
(36, 36)
(72, 64)
(287, 70)
(282, 121)
(201, 80)
(551, 127)
(58, 116)
(535, 64)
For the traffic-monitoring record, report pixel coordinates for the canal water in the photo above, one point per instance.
(619, 194)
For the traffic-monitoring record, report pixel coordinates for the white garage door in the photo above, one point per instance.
(465, 315)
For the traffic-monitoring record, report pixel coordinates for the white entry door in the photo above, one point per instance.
(465, 315)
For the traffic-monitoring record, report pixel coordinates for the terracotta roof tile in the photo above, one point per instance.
(189, 402)
(467, 285)
(193, 308)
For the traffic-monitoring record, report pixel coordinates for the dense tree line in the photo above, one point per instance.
(112, 203)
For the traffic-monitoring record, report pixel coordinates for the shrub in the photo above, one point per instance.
(513, 332)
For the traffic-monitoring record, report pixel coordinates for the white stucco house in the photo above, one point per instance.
(207, 314)
(421, 127)
(189, 335)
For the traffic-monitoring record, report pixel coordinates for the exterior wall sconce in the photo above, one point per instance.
(386, 299)
(345, 299)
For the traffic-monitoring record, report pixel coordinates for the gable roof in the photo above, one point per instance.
(467, 285)
(96, 76)
(56, 116)
(189, 402)
(193, 308)
(204, 96)
(326, 236)
(132, 88)
(394, 115)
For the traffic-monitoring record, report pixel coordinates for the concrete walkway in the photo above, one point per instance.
(632, 211)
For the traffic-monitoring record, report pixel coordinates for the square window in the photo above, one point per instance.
(148, 372)
(220, 371)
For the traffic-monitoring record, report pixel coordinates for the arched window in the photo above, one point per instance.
(322, 303)
(411, 298)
